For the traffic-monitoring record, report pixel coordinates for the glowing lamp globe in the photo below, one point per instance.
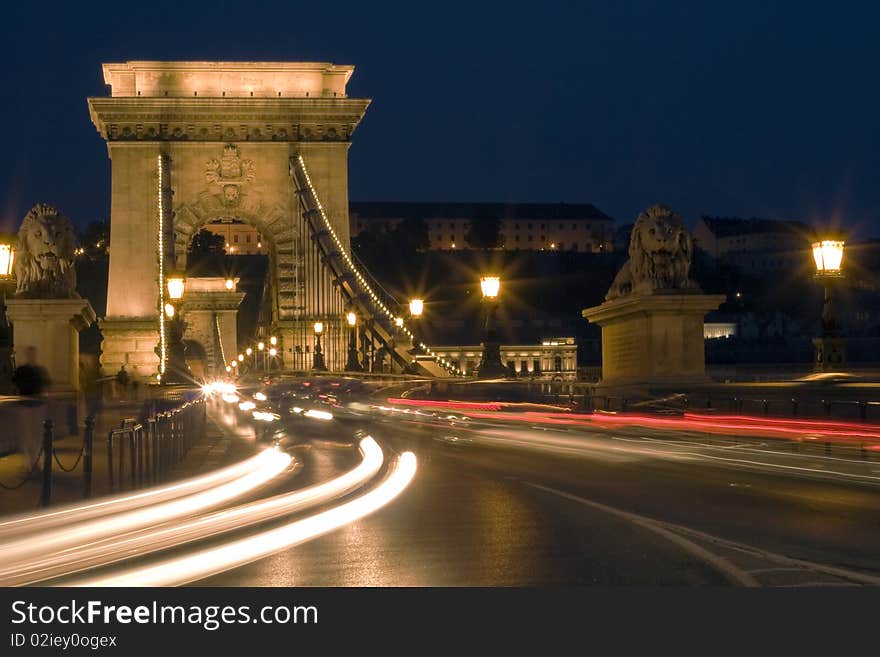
(490, 286)
(176, 285)
(319, 328)
(828, 255)
(7, 257)
(351, 318)
(416, 307)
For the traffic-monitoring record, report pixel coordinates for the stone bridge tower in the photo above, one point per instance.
(194, 142)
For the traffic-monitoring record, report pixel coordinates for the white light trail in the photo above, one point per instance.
(204, 563)
(269, 463)
(44, 520)
(318, 415)
(152, 539)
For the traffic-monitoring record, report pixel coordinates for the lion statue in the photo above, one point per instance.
(44, 261)
(660, 252)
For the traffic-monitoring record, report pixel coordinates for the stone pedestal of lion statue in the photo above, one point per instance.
(652, 317)
(46, 313)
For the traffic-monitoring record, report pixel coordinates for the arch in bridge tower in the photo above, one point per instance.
(192, 142)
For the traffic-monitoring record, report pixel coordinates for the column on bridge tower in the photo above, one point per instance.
(131, 325)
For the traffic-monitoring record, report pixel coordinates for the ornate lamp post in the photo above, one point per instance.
(273, 349)
(318, 360)
(7, 364)
(177, 369)
(491, 366)
(352, 364)
(829, 350)
(416, 308)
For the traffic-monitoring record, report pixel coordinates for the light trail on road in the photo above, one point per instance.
(204, 563)
(267, 464)
(151, 540)
(43, 520)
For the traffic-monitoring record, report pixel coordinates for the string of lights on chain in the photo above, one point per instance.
(398, 321)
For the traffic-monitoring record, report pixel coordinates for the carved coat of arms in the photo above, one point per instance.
(231, 173)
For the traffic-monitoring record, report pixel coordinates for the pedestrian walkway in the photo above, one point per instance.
(213, 450)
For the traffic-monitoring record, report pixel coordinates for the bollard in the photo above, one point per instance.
(132, 457)
(154, 447)
(794, 407)
(46, 496)
(766, 407)
(88, 440)
(121, 444)
(863, 411)
(110, 458)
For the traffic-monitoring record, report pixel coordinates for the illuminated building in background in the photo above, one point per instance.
(551, 359)
(239, 238)
(578, 227)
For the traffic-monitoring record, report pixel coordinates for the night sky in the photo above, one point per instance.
(737, 108)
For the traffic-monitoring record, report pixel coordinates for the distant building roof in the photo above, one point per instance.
(403, 210)
(727, 226)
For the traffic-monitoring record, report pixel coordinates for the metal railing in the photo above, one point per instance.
(140, 453)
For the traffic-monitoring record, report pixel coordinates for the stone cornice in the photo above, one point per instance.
(659, 303)
(226, 119)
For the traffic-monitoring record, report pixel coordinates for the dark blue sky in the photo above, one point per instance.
(735, 108)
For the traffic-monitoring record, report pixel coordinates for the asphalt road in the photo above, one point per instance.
(515, 505)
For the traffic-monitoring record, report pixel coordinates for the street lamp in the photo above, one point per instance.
(490, 366)
(177, 369)
(261, 346)
(318, 359)
(352, 364)
(829, 350)
(7, 365)
(416, 308)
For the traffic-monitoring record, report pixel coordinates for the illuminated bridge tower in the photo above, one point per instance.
(195, 142)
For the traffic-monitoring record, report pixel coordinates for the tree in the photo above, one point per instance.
(95, 238)
(207, 243)
(411, 235)
(484, 232)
